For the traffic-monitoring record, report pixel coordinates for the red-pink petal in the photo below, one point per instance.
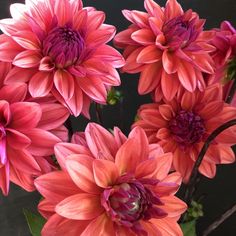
(82, 206)
(27, 59)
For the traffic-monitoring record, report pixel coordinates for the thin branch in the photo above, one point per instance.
(231, 92)
(220, 220)
(99, 113)
(194, 174)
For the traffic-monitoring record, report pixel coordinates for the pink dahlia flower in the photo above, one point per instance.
(60, 47)
(168, 46)
(224, 57)
(113, 185)
(28, 133)
(182, 125)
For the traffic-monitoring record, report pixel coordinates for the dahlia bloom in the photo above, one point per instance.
(168, 46)
(224, 57)
(60, 47)
(27, 134)
(181, 126)
(112, 185)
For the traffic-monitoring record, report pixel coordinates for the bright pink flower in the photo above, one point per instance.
(59, 46)
(224, 57)
(113, 185)
(182, 125)
(26, 134)
(168, 46)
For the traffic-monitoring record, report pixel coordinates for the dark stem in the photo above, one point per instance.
(68, 125)
(220, 220)
(99, 113)
(191, 185)
(231, 92)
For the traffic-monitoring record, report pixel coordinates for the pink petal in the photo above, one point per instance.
(149, 54)
(46, 208)
(105, 173)
(23, 161)
(169, 62)
(60, 226)
(27, 59)
(101, 225)
(64, 83)
(169, 85)
(80, 168)
(42, 142)
(63, 150)
(4, 179)
(173, 9)
(50, 186)
(143, 36)
(17, 140)
(164, 163)
(94, 88)
(3, 152)
(82, 206)
(48, 120)
(40, 84)
(208, 169)
(95, 20)
(27, 39)
(100, 142)
(187, 76)
(150, 78)
(13, 93)
(25, 115)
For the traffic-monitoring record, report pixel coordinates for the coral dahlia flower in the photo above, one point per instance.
(125, 190)
(224, 57)
(168, 46)
(182, 125)
(61, 46)
(27, 135)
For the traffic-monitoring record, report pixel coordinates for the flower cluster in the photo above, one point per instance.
(55, 61)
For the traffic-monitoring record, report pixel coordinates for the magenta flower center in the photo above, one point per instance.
(179, 32)
(129, 202)
(64, 45)
(187, 128)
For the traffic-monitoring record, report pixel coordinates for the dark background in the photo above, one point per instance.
(218, 194)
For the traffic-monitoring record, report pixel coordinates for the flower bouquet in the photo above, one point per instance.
(139, 179)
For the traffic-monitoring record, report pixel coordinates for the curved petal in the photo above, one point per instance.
(105, 173)
(82, 206)
(64, 83)
(56, 186)
(80, 168)
(25, 115)
(40, 84)
(27, 59)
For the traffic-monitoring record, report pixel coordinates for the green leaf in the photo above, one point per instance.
(35, 222)
(189, 228)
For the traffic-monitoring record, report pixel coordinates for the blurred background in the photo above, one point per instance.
(217, 195)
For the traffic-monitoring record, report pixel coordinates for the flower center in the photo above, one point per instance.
(64, 45)
(132, 200)
(187, 128)
(180, 32)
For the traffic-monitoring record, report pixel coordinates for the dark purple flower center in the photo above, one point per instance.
(187, 128)
(131, 201)
(179, 32)
(64, 45)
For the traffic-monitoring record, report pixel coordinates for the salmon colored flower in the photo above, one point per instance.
(113, 185)
(26, 134)
(168, 46)
(60, 47)
(225, 57)
(181, 126)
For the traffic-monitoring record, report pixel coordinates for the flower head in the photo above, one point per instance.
(112, 185)
(60, 47)
(27, 134)
(181, 126)
(224, 57)
(168, 46)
